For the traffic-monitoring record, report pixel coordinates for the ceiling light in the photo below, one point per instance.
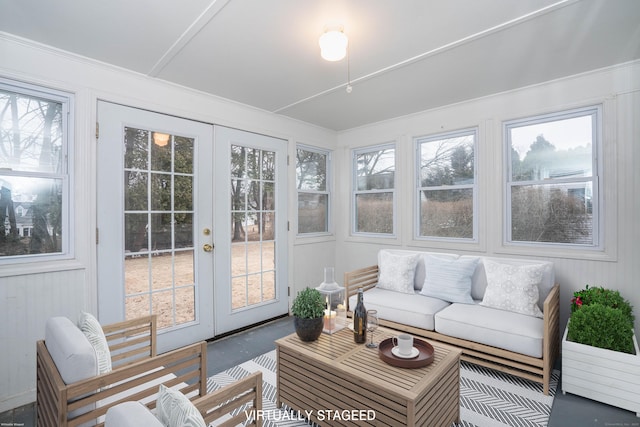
(333, 44)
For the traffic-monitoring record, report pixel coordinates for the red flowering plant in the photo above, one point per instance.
(601, 318)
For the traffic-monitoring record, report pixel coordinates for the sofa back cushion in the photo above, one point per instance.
(70, 350)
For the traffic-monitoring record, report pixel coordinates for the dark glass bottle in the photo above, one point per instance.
(360, 320)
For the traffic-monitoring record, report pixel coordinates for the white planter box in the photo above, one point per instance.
(607, 376)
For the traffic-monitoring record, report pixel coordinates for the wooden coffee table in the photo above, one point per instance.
(334, 381)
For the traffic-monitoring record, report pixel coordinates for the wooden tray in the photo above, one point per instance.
(424, 358)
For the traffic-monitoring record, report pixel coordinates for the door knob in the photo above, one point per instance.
(207, 247)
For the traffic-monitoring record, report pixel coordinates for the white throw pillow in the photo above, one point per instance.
(174, 409)
(513, 288)
(396, 272)
(449, 279)
(91, 329)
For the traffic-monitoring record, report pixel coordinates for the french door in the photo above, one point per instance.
(250, 229)
(162, 247)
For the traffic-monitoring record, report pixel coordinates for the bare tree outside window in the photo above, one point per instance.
(33, 176)
(446, 185)
(551, 193)
(374, 190)
(313, 192)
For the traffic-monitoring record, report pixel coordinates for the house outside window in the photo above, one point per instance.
(35, 143)
(552, 182)
(446, 186)
(374, 191)
(312, 184)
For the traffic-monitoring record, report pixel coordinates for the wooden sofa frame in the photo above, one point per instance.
(531, 368)
(135, 364)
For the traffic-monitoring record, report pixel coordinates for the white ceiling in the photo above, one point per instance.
(405, 55)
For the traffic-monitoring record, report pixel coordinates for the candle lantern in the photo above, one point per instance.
(335, 312)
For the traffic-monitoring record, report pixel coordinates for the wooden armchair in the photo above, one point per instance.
(238, 403)
(136, 375)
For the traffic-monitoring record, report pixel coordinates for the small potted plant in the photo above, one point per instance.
(600, 356)
(308, 311)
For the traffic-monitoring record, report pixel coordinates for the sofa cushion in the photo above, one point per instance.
(498, 328)
(420, 267)
(449, 279)
(409, 309)
(70, 350)
(479, 279)
(396, 271)
(130, 414)
(513, 288)
(174, 409)
(92, 329)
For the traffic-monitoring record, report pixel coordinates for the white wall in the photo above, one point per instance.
(30, 294)
(618, 266)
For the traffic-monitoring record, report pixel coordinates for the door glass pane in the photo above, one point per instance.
(159, 245)
(252, 204)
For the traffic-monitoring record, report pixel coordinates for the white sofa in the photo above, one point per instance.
(502, 312)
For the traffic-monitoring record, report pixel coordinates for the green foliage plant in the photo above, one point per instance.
(308, 304)
(601, 318)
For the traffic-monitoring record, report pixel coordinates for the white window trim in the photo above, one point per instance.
(596, 111)
(328, 191)
(67, 100)
(417, 189)
(355, 191)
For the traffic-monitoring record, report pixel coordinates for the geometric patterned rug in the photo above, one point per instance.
(488, 398)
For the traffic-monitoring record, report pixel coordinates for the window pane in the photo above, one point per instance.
(312, 213)
(447, 161)
(160, 192)
(136, 143)
(183, 162)
(374, 213)
(30, 133)
(446, 213)
(161, 152)
(311, 170)
(552, 150)
(559, 213)
(135, 190)
(268, 165)
(375, 169)
(30, 216)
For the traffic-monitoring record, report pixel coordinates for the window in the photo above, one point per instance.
(34, 180)
(446, 185)
(313, 190)
(374, 190)
(552, 178)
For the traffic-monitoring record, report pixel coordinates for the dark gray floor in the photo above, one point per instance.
(567, 411)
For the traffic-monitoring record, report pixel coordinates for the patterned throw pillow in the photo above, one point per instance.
(174, 409)
(513, 288)
(396, 272)
(91, 329)
(449, 279)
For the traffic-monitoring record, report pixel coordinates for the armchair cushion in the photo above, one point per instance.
(130, 414)
(91, 329)
(70, 350)
(175, 409)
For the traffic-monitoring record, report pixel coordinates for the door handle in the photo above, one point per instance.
(207, 247)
